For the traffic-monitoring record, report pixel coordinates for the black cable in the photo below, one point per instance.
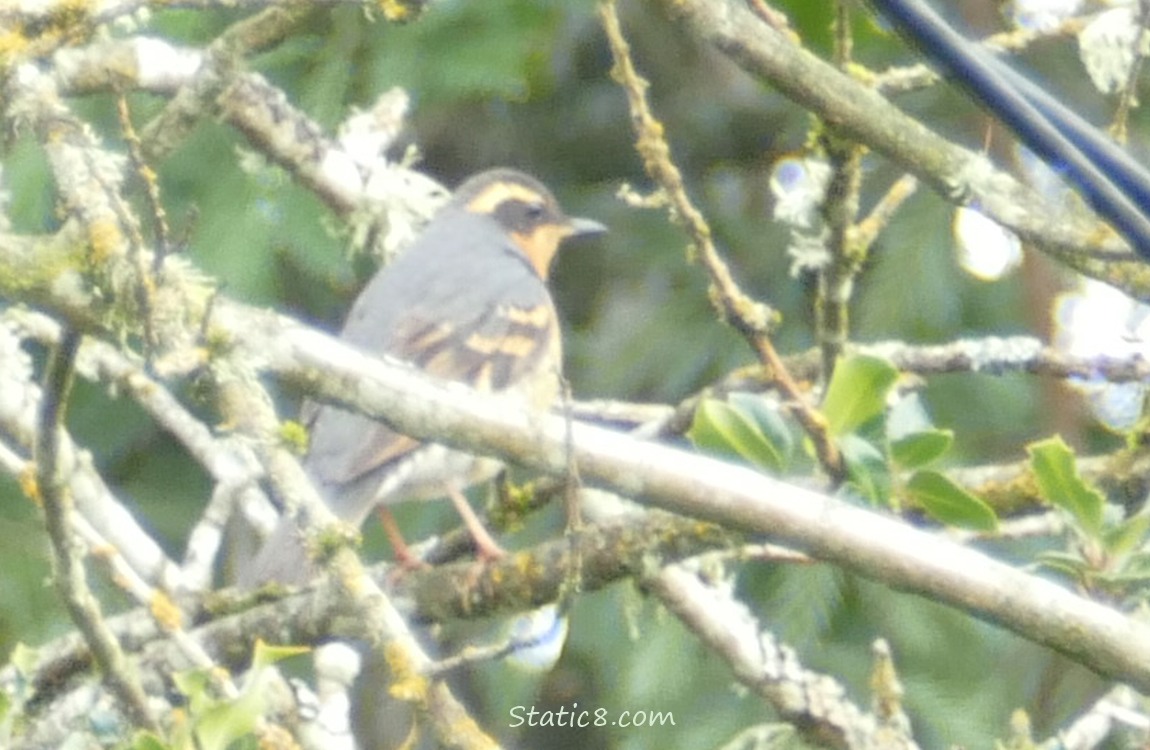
(1110, 180)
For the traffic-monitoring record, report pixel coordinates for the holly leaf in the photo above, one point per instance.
(1056, 471)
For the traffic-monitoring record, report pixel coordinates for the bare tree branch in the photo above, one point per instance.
(901, 556)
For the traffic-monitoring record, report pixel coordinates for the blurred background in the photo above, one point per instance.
(526, 83)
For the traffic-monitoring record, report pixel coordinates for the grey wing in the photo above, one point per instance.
(490, 342)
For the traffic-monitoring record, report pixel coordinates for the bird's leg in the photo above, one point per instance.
(406, 559)
(486, 548)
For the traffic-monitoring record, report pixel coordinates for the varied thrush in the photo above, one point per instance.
(467, 302)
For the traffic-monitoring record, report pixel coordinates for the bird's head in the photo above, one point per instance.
(525, 209)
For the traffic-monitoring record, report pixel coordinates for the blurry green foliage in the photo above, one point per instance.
(747, 427)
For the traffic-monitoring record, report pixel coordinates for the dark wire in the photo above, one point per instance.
(1108, 178)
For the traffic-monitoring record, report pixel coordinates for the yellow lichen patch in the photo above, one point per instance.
(70, 13)
(13, 43)
(165, 612)
(408, 684)
(179, 720)
(469, 734)
(294, 436)
(29, 485)
(395, 10)
(69, 21)
(526, 564)
(104, 240)
(274, 737)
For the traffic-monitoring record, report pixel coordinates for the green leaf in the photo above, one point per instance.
(266, 655)
(227, 721)
(24, 658)
(1134, 570)
(945, 501)
(723, 429)
(194, 685)
(857, 393)
(1056, 471)
(219, 724)
(769, 421)
(1122, 538)
(1066, 562)
(920, 448)
(867, 469)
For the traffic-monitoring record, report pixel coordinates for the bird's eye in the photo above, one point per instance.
(536, 211)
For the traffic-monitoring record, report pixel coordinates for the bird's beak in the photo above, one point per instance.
(578, 227)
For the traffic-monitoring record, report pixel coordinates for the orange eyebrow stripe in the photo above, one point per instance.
(490, 198)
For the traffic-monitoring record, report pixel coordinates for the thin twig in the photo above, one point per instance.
(151, 184)
(145, 279)
(745, 315)
(867, 230)
(844, 42)
(69, 567)
(849, 244)
(836, 278)
(261, 31)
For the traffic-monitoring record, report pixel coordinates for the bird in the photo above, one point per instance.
(468, 301)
